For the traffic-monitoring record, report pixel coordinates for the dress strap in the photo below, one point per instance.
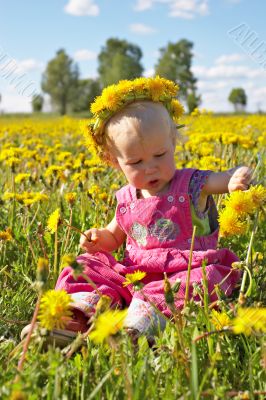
(182, 179)
(125, 194)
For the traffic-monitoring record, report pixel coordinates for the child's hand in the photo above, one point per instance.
(92, 244)
(240, 180)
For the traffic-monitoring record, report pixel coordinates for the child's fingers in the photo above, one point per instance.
(94, 235)
(244, 172)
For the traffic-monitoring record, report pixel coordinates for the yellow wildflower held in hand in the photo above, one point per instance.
(55, 310)
(134, 278)
(257, 195)
(250, 320)
(230, 223)
(54, 221)
(240, 202)
(107, 324)
(220, 319)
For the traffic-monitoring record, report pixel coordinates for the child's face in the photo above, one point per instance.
(145, 153)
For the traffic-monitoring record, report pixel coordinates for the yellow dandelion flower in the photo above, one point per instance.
(6, 235)
(172, 88)
(55, 310)
(71, 198)
(124, 86)
(107, 324)
(250, 320)
(257, 195)
(114, 186)
(98, 105)
(110, 98)
(32, 198)
(230, 224)
(135, 277)
(220, 319)
(13, 161)
(240, 202)
(18, 395)
(94, 189)
(54, 221)
(103, 196)
(156, 87)
(21, 177)
(177, 109)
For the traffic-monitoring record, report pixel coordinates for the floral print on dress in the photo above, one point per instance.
(197, 182)
(164, 229)
(139, 232)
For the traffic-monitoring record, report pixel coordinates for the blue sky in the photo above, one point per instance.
(229, 39)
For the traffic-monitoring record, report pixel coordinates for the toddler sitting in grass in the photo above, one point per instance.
(134, 130)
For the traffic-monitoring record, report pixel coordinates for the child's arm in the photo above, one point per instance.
(233, 179)
(108, 239)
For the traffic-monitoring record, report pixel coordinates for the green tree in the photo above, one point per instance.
(175, 64)
(238, 98)
(37, 103)
(193, 101)
(119, 59)
(60, 81)
(87, 90)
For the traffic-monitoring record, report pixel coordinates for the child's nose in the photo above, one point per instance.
(150, 168)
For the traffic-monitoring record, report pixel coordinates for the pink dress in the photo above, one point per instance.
(159, 231)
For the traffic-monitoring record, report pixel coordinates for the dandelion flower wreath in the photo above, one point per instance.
(115, 97)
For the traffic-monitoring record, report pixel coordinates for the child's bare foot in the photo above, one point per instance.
(62, 337)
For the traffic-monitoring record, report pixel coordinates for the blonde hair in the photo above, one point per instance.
(141, 112)
(117, 99)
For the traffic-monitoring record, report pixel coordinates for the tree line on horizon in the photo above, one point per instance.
(120, 59)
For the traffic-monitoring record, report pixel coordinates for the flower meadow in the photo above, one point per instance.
(52, 188)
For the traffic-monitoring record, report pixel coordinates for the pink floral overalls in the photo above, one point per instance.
(159, 231)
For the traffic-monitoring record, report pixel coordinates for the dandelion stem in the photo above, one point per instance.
(27, 340)
(244, 278)
(207, 334)
(189, 265)
(55, 253)
(68, 230)
(76, 229)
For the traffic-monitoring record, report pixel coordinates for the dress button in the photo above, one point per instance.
(123, 210)
(170, 199)
(132, 205)
(181, 199)
(189, 240)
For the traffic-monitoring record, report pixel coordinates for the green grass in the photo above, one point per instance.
(219, 366)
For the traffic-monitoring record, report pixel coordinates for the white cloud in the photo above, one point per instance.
(187, 9)
(149, 72)
(82, 7)
(213, 86)
(144, 5)
(29, 65)
(230, 58)
(227, 71)
(141, 29)
(15, 103)
(84, 54)
(215, 83)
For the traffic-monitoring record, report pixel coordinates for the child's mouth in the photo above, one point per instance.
(154, 182)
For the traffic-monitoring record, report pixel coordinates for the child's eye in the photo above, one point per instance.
(160, 155)
(135, 163)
